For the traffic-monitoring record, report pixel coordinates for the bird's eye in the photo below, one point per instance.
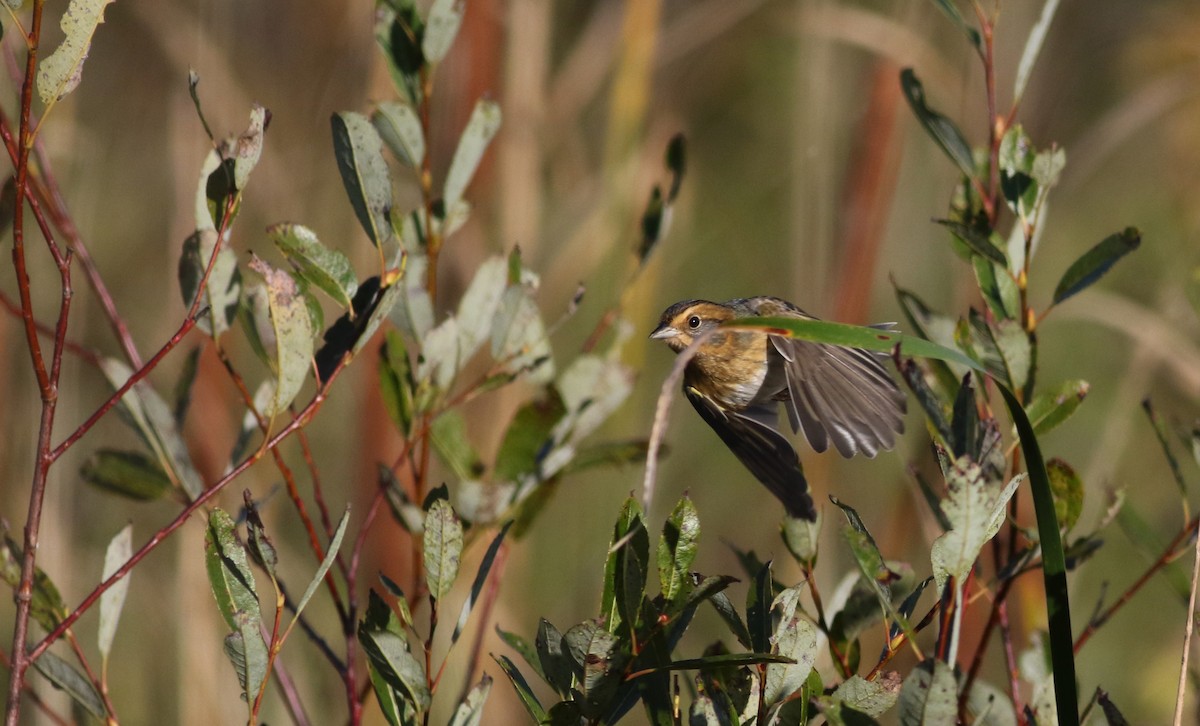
(694, 322)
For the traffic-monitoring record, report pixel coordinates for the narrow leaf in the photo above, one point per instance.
(470, 711)
(330, 556)
(1095, 262)
(112, 601)
(977, 241)
(389, 653)
(64, 676)
(524, 692)
(1033, 46)
(60, 72)
(481, 576)
(228, 569)
(758, 610)
(223, 292)
(942, 129)
(359, 152)
(329, 270)
(482, 126)
(951, 10)
(47, 608)
(1049, 409)
(128, 473)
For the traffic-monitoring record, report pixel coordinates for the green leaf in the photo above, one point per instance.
(64, 676)
(522, 646)
(1033, 46)
(395, 708)
(1049, 409)
(854, 336)
(47, 608)
(396, 381)
(528, 435)
(1160, 431)
(758, 610)
(1054, 567)
(293, 333)
(998, 288)
(677, 549)
(182, 393)
(629, 519)
(441, 26)
(246, 149)
(407, 512)
(330, 555)
(327, 269)
(443, 543)
(453, 445)
(874, 698)
(128, 473)
(554, 664)
(388, 652)
(60, 72)
(400, 128)
(359, 153)
(153, 420)
(222, 293)
(801, 536)
(632, 569)
(724, 607)
(1095, 262)
(725, 660)
(398, 30)
(258, 544)
(976, 508)
(112, 600)
(481, 575)
(247, 651)
(940, 128)
(229, 572)
(795, 638)
(524, 692)
(470, 711)
(482, 126)
(976, 240)
(1067, 488)
(929, 695)
(951, 10)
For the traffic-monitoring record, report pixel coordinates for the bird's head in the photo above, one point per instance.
(683, 321)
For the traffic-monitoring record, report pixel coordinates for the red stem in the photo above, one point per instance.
(295, 424)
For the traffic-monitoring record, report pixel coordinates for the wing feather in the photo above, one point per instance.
(761, 448)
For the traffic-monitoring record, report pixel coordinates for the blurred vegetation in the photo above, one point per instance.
(807, 178)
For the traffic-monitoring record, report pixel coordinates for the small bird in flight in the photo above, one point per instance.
(831, 393)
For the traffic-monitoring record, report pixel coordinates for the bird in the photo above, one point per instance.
(736, 379)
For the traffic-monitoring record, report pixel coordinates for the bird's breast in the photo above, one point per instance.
(731, 369)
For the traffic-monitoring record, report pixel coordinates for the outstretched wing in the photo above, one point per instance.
(840, 394)
(761, 448)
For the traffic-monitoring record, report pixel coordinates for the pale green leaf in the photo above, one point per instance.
(328, 269)
(443, 543)
(400, 128)
(482, 126)
(976, 509)
(330, 556)
(519, 339)
(1033, 46)
(441, 26)
(112, 601)
(60, 72)
(292, 325)
(470, 711)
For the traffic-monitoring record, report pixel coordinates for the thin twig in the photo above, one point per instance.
(1187, 639)
(161, 535)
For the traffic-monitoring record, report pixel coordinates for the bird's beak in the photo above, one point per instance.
(664, 332)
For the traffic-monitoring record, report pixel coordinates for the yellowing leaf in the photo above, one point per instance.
(60, 73)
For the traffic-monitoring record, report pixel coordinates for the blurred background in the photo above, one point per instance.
(807, 179)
